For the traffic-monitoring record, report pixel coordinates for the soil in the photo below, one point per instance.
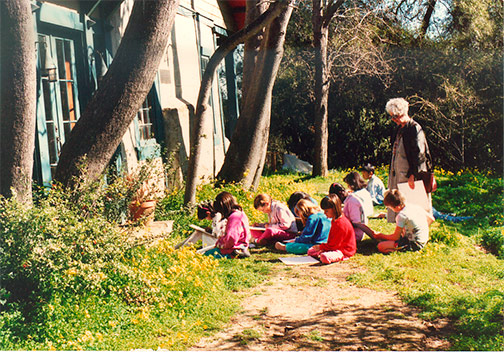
(314, 307)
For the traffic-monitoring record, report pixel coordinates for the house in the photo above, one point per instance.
(76, 42)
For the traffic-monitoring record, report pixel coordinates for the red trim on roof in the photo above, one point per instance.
(238, 11)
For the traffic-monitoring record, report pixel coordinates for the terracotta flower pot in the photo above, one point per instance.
(142, 210)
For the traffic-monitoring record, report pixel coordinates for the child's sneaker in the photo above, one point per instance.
(241, 253)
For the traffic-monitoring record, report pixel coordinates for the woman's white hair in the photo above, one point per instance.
(397, 107)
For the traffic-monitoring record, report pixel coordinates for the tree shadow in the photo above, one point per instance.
(347, 327)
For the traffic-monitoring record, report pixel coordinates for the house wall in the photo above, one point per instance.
(178, 83)
(79, 35)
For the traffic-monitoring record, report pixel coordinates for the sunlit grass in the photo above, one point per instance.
(157, 297)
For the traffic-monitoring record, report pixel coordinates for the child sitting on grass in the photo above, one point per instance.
(315, 231)
(234, 242)
(207, 211)
(412, 225)
(375, 185)
(293, 200)
(358, 205)
(341, 243)
(281, 224)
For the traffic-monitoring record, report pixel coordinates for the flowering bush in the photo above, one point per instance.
(51, 247)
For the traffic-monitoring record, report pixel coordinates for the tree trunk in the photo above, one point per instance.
(114, 105)
(254, 9)
(202, 108)
(245, 155)
(322, 83)
(427, 17)
(321, 20)
(18, 99)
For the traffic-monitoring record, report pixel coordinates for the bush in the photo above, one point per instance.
(71, 278)
(493, 240)
(51, 247)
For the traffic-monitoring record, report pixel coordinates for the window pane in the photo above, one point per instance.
(64, 101)
(51, 139)
(68, 57)
(47, 100)
(68, 129)
(61, 58)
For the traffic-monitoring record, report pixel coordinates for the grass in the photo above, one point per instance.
(247, 336)
(314, 335)
(160, 298)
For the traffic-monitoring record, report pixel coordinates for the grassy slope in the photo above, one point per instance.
(161, 298)
(453, 277)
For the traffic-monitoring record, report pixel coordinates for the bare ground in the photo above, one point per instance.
(315, 308)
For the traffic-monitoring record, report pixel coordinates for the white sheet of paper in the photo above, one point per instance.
(416, 196)
(299, 260)
(198, 228)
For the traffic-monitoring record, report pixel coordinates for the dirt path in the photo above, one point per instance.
(315, 308)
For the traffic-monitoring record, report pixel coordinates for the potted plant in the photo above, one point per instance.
(144, 190)
(143, 204)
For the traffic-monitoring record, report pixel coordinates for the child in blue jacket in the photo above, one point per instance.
(315, 231)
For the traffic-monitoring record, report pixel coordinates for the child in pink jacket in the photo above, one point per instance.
(234, 242)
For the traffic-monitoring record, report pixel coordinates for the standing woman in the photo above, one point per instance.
(410, 151)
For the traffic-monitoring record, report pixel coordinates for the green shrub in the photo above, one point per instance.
(51, 247)
(493, 240)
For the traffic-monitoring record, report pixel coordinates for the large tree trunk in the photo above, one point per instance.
(18, 98)
(101, 127)
(202, 107)
(321, 20)
(245, 156)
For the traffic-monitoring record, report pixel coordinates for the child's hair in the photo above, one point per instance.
(393, 198)
(336, 188)
(355, 181)
(225, 204)
(305, 208)
(368, 167)
(205, 208)
(296, 197)
(332, 201)
(261, 200)
(339, 190)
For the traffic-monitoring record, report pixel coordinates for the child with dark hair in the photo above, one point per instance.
(207, 211)
(315, 231)
(234, 242)
(374, 186)
(281, 223)
(292, 202)
(339, 190)
(358, 205)
(341, 243)
(412, 225)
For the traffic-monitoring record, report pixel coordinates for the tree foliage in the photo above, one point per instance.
(451, 75)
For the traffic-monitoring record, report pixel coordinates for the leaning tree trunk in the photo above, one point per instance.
(321, 20)
(107, 116)
(18, 98)
(252, 45)
(202, 107)
(245, 156)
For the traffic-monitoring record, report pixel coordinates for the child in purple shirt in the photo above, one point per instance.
(281, 222)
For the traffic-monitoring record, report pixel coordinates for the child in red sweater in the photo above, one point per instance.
(341, 243)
